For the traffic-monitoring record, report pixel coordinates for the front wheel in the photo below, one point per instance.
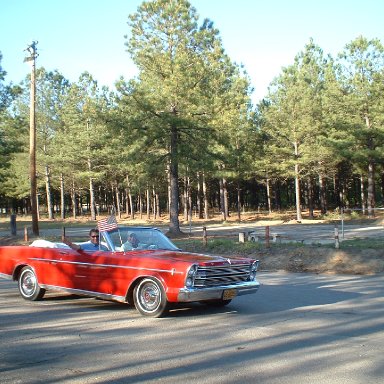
(28, 286)
(149, 298)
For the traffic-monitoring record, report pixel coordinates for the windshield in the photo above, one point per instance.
(136, 238)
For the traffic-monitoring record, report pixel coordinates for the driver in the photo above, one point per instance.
(93, 244)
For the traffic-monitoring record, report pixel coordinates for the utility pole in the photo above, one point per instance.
(32, 138)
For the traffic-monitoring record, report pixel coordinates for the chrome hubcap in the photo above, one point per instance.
(29, 283)
(150, 296)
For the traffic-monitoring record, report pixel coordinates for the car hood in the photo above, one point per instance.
(199, 258)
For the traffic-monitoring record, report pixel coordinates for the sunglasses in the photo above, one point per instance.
(97, 236)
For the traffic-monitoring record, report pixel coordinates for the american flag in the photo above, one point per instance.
(107, 224)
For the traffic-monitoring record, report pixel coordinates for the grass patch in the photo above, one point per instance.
(364, 243)
(232, 246)
(222, 246)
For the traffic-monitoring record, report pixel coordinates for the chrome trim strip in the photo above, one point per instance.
(171, 271)
(82, 292)
(5, 276)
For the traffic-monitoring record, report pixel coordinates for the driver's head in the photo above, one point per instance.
(94, 236)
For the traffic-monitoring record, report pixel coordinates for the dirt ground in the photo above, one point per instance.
(323, 260)
(315, 259)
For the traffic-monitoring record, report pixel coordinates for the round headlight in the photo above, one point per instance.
(190, 280)
(254, 266)
(192, 270)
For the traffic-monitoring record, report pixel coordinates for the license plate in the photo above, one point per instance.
(229, 294)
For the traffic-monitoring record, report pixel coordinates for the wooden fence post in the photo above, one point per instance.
(267, 236)
(337, 242)
(26, 234)
(13, 225)
(205, 236)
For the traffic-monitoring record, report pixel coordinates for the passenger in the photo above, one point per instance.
(93, 244)
(132, 243)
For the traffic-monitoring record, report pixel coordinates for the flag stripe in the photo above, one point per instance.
(107, 224)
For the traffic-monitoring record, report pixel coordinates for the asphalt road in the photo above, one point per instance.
(298, 328)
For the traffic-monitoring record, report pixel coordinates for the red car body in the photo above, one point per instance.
(149, 277)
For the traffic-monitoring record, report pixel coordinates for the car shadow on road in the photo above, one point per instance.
(280, 297)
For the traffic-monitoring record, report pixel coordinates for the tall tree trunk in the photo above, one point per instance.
(148, 198)
(226, 202)
(297, 185)
(310, 197)
(222, 198)
(140, 202)
(336, 190)
(238, 201)
(37, 206)
(269, 202)
(341, 196)
(189, 199)
(130, 200)
(345, 196)
(157, 202)
(190, 205)
(205, 198)
(73, 197)
(48, 193)
(382, 186)
(131, 204)
(277, 195)
(112, 209)
(362, 195)
(323, 195)
(105, 201)
(117, 193)
(169, 190)
(127, 209)
(371, 190)
(92, 199)
(297, 193)
(371, 175)
(91, 188)
(199, 196)
(154, 204)
(174, 225)
(62, 197)
(185, 198)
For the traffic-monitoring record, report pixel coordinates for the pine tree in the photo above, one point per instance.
(180, 84)
(362, 74)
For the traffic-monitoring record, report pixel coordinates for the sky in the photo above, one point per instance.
(264, 35)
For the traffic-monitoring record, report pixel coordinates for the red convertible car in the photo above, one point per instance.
(152, 274)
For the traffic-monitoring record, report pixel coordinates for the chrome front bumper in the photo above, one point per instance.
(216, 293)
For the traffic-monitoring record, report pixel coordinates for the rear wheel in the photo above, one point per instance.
(149, 298)
(28, 286)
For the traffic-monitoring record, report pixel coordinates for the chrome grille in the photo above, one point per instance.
(213, 276)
